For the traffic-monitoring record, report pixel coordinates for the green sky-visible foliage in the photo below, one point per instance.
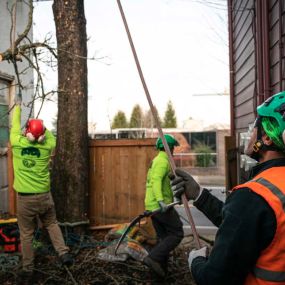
(136, 120)
(120, 120)
(169, 120)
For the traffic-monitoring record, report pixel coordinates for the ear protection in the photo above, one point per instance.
(41, 138)
(31, 138)
(35, 131)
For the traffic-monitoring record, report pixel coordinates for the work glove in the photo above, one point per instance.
(185, 183)
(163, 206)
(18, 98)
(196, 253)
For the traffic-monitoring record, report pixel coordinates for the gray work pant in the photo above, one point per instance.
(29, 208)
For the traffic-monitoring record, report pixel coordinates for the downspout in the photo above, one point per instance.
(231, 63)
(266, 47)
(280, 43)
(259, 45)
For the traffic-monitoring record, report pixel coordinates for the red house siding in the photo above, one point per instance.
(256, 37)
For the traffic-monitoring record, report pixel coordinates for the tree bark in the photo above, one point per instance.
(71, 162)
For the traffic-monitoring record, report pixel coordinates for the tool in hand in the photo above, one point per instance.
(138, 218)
(154, 114)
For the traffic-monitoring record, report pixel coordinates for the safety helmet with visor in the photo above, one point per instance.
(271, 118)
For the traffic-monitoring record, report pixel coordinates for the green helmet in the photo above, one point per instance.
(272, 114)
(171, 141)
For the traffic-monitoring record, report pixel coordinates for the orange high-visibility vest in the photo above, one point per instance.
(270, 266)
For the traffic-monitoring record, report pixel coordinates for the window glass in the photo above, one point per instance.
(205, 138)
(4, 116)
(4, 93)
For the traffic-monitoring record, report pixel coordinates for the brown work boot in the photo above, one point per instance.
(154, 265)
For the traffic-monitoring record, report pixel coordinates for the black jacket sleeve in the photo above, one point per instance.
(211, 207)
(247, 225)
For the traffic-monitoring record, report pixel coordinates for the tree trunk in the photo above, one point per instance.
(70, 170)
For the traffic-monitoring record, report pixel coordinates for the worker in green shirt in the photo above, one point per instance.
(32, 151)
(167, 223)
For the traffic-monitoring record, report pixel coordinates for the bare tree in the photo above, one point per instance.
(22, 48)
(70, 167)
(70, 171)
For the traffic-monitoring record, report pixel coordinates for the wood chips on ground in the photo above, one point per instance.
(88, 269)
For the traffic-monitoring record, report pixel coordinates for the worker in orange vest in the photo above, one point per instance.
(250, 243)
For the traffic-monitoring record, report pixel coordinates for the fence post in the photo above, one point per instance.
(12, 195)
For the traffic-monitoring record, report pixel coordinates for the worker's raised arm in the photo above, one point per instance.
(15, 131)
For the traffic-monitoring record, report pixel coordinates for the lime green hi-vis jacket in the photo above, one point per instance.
(158, 183)
(30, 160)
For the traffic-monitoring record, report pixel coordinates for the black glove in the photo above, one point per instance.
(18, 98)
(163, 206)
(185, 183)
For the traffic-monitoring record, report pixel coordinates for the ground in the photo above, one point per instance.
(88, 269)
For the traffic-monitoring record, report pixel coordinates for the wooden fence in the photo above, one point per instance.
(118, 170)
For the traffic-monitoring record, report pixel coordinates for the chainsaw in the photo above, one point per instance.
(138, 218)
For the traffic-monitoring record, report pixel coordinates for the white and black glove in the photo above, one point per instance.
(185, 183)
(196, 253)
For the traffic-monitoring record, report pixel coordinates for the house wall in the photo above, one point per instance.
(256, 42)
(243, 63)
(276, 40)
(8, 80)
(257, 56)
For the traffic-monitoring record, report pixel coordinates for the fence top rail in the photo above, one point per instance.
(122, 142)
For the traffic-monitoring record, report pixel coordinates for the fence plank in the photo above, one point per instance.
(118, 170)
(12, 194)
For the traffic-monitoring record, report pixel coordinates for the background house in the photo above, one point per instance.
(8, 87)
(257, 67)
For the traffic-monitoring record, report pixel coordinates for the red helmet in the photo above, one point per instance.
(35, 127)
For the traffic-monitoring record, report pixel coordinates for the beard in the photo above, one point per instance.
(255, 155)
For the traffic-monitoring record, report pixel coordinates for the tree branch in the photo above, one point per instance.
(29, 25)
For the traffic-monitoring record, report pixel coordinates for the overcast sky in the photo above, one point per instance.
(182, 46)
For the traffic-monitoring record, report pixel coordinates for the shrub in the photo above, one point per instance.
(203, 157)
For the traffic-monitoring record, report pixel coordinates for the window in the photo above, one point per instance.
(205, 138)
(4, 137)
(4, 116)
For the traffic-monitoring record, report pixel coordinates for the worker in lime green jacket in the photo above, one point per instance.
(32, 151)
(167, 223)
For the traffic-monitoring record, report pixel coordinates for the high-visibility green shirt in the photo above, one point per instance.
(158, 183)
(30, 160)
